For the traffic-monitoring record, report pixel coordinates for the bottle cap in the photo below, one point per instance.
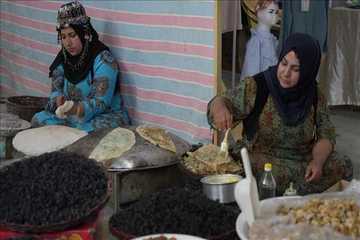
(268, 167)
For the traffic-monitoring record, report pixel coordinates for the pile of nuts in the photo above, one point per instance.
(342, 215)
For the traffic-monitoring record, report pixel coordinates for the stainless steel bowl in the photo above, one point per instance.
(220, 187)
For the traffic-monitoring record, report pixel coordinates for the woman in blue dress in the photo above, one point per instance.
(85, 74)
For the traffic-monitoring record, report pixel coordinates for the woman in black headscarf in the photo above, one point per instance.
(85, 87)
(286, 120)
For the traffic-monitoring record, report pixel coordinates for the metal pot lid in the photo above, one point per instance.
(144, 155)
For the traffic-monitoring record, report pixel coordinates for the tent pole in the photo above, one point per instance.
(234, 45)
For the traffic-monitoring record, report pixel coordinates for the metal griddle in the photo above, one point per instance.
(143, 169)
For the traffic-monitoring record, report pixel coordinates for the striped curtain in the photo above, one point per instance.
(165, 50)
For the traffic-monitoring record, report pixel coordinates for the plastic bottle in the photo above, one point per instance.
(267, 184)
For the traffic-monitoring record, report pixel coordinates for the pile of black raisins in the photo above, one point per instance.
(177, 210)
(50, 189)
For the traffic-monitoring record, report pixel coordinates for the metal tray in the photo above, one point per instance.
(145, 155)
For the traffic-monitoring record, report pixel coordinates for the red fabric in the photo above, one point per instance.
(85, 231)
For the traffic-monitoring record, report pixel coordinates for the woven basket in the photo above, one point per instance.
(25, 106)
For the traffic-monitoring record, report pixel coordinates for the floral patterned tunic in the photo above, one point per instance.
(288, 148)
(99, 94)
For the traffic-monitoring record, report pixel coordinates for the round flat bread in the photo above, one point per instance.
(36, 141)
(114, 144)
(157, 136)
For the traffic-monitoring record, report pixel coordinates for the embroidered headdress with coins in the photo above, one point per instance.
(73, 15)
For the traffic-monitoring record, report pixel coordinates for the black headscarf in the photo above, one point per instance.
(77, 67)
(293, 104)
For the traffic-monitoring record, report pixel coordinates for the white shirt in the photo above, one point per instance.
(260, 52)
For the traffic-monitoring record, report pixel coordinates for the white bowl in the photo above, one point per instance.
(242, 228)
(267, 207)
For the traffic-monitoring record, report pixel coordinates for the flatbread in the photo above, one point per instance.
(113, 144)
(61, 110)
(36, 141)
(207, 160)
(157, 136)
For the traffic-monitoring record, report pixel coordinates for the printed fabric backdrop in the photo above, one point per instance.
(165, 50)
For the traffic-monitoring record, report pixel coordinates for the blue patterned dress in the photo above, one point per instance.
(99, 92)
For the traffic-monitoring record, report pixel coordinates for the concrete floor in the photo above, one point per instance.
(347, 123)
